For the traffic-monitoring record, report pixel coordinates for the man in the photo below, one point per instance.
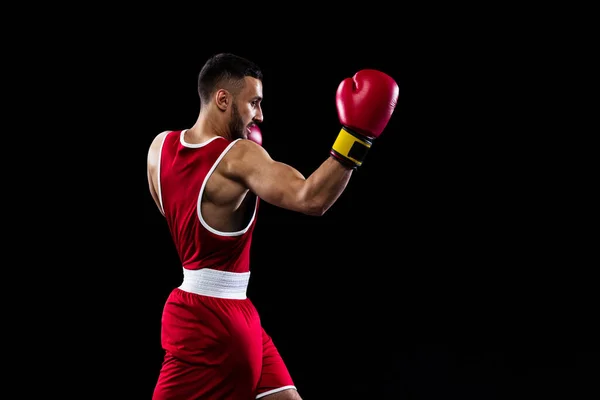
(207, 182)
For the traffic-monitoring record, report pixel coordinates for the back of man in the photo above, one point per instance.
(210, 223)
(207, 182)
(208, 321)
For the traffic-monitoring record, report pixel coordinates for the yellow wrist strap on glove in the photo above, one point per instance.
(351, 147)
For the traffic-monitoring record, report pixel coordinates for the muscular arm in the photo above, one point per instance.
(281, 185)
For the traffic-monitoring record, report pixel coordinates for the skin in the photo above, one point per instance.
(248, 169)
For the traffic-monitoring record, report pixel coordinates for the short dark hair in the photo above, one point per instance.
(225, 70)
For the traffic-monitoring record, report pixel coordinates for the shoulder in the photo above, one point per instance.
(157, 140)
(242, 154)
(244, 148)
(155, 146)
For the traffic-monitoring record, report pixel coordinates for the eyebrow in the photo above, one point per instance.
(256, 98)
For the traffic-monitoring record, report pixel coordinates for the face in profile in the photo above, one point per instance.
(245, 109)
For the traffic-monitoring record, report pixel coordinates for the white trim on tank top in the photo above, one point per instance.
(194, 145)
(160, 199)
(199, 212)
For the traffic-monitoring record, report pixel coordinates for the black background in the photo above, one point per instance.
(452, 266)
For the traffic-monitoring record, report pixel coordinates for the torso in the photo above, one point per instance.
(210, 216)
(226, 205)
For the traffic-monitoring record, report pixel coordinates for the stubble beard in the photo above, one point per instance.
(236, 125)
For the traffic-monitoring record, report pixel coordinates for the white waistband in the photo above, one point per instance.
(214, 283)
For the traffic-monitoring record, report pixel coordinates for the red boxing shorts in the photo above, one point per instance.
(215, 347)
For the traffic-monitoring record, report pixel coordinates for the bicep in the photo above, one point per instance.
(275, 182)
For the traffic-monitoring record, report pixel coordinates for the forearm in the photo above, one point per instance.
(324, 186)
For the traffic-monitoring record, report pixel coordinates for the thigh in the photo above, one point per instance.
(275, 380)
(213, 348)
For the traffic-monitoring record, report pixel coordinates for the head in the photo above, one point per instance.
(232, 86)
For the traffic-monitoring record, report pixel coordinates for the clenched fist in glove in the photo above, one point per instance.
(255, 134)
(365, 104)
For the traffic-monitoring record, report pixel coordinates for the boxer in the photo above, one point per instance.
(207, 181)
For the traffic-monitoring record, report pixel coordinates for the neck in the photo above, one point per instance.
(207, 126)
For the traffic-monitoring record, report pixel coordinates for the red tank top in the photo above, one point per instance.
(184, 170)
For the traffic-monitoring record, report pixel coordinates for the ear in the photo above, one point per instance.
(222, 99)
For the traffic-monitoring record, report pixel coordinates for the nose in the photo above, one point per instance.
(259, 115)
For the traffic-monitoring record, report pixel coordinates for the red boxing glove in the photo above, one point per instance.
(365, 104)
(255, 135)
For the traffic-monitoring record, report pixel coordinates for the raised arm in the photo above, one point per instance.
(365, 104)
(282, 185)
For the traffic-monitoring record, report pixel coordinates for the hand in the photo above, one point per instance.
(365, 104)
(255, 135)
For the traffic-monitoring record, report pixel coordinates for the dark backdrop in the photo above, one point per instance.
(449, 268)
